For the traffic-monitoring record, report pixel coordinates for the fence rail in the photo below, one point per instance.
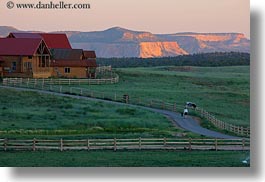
(121, 144)
(60, 81)
(239, 130)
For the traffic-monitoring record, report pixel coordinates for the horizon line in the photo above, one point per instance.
(119, 27)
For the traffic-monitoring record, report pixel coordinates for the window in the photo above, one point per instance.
(14, 66)
(43, 62)
(27, 66)
(29, 57)
(67, 70)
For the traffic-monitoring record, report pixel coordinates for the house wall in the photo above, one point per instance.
(7, 67)
(7, 64)
(21, 71)
(39, 72)
(75, 72)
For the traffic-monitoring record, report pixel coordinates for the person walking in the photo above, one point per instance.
(185, 112)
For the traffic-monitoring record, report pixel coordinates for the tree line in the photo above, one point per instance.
(203, 59)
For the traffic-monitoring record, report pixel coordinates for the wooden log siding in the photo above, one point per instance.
(120, 144)
(30, 83)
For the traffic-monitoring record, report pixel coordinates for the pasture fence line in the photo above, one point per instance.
(125, 144)
(61, 81)
(240, 130)
(113, 96)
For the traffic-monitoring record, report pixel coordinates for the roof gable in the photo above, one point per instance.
(19, 46)
(56, 41)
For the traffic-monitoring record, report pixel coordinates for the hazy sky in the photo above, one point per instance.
(156, 16)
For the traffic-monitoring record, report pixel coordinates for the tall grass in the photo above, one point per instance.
(34, 114)
(223, 91)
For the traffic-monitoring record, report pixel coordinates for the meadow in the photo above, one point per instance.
(124, 159)
(222, 91)
(30, 114)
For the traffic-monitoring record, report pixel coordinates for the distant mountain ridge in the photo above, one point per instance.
(121, 42)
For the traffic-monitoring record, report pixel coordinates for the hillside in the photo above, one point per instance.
(5, 30)
(120, 42)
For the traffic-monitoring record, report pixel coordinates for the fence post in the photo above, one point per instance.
(243, 143)
(61, 145)
(190, 144)
(81, 91)
(88, 145)
(21, 82)
(5, 144)
(115, 144)
(34, 144)
(140, 143)
(216, 143)
(115, 96)
(174, 107)
(60, 89)
(165, 142)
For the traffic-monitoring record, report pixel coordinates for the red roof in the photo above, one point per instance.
(24, 35)
(56, 41)
(74, 63)
(52, 40)
(19, 46)
(89, 54)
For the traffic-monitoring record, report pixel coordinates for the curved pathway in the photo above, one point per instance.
(187, 123)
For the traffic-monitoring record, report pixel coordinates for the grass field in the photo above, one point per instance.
(223, 91)
(124, 159)
(30, 114)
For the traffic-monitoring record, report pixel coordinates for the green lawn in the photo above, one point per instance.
(124, 159)
(30, 114)
(223, 91)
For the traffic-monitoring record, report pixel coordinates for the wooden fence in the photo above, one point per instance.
(60, 81)
(125, 144)
(239, 130)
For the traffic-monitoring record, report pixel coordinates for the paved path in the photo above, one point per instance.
(187, 124)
